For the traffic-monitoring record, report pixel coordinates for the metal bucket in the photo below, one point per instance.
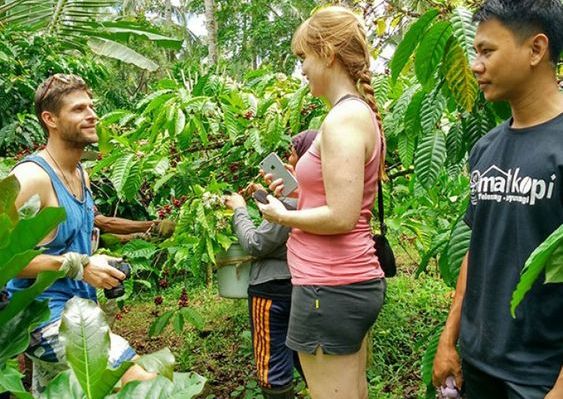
(233, 272)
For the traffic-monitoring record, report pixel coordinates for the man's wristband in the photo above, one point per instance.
(73, 265)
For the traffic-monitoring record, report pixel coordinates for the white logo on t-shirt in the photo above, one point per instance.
(497, 185)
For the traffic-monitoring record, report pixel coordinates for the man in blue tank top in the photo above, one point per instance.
(516, 202)
(64, 107)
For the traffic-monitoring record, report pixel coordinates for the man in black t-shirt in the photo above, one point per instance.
(516, 203)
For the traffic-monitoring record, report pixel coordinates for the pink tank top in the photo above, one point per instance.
(338, 259)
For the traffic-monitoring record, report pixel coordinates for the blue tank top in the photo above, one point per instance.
(73, 235)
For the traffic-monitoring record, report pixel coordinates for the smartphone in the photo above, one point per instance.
(260, 196)
(273, 164)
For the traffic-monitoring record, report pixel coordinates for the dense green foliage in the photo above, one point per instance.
(176, 133)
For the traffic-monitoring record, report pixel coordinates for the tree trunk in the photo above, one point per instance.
(211, 25)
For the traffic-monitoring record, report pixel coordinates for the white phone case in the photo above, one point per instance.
(274, 165)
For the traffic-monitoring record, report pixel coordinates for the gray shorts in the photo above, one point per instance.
(336, 318)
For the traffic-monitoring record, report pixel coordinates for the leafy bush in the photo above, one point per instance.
(19, 238)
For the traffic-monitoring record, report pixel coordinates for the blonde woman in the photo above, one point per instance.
(339, 286)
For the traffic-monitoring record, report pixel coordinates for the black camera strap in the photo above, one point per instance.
(380, 212)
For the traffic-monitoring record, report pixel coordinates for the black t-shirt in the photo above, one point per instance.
(516, 203)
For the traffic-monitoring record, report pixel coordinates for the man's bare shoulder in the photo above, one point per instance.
(31, 173)
(33, 179)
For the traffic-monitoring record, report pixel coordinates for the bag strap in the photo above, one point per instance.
(380, 212)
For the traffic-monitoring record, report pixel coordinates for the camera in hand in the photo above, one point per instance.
(260, 196)
(118, 290)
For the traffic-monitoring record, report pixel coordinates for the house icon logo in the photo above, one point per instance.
(495, 184)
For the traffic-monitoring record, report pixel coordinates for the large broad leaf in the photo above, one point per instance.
(464, 30)
(76, 22)
(120, 52)
(24, 237)
(65, 385)
(185, 386)
(123, 30)
(536, 264)
(14, 334)
(460, 78)
(22, 299)
(409, 42)
(85, 334)
(161, 362)
(9, 189)
(430, 157)
(431, 50)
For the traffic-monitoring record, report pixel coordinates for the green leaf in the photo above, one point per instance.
(161, 362)
(295, 105)
(454, 144)
(185, 386)
(428, 362)
(13, 266)
(535, 264)
(10, 381)
(120, 52)
(459, 77)
(457, 248)
(193, 317)
(85, 335)
(412, 117)
(180, 122)
(476, 125)
(160, 324)
(157, 388)
(410, 41)
(65, 385)
(178, 323)
(431, 50)
(120, 172)
(431, 111)
(430, 157)
(26, 235)
(9, 189)
(554, 266)
(15, 330)
(405, 147)
(121, 30)
(255, 141)
(423, 265)
(22, 299)
(134, 179)
(464, 30)
(154, 100)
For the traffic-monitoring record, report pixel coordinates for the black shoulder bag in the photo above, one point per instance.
(382, 247)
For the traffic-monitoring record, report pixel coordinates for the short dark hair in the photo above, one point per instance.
(49, 94)
(526, 18)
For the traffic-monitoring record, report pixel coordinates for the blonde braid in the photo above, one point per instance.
(363, 79)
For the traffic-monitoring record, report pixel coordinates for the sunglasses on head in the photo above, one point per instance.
(61, 77)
